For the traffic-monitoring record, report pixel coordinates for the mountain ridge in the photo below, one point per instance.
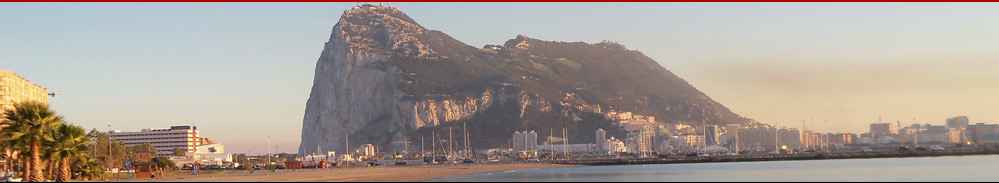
(384, 79)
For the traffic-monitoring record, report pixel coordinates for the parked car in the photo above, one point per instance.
(867, 150)
(936, 148)
(691, 155)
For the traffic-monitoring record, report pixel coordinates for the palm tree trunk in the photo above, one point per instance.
(25, 171)
(50, 169)
(3, 167)
(36, 159)
(53, 169)
(64, 174)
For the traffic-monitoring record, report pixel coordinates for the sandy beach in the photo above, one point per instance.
(388, 173)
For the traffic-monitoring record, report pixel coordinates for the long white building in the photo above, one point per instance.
(166, 141)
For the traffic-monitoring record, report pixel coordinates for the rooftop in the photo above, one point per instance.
(181, 127)
(9, 72)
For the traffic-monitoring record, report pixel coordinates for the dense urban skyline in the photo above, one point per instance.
(245, 69)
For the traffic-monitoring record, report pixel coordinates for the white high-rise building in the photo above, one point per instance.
(601, 139)
(711, 135)
(525, 141)
(518, 141)
(531, 140)
(641, 141)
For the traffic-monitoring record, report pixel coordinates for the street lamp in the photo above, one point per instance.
(109, 145)
(109, 159)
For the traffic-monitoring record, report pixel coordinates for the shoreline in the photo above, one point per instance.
(420, 173)
(387, 173)
(423, 173)
(771, 157)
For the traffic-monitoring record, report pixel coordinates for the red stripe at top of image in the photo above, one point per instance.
(512, 1)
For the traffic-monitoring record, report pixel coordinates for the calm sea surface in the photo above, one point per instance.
(954, 168)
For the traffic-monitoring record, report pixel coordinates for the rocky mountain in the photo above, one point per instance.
(383, 79)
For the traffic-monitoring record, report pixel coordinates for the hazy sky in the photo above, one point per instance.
(242, 72)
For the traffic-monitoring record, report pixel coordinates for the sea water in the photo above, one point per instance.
(951, 168)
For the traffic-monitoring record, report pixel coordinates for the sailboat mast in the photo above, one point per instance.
(406, 144)
(347, 148)
(551, 145)
(450, 141)
(433, 143)
(565, 143)
(467, 152)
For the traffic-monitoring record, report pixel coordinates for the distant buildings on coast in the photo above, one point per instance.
(182, 143)
(644, 138)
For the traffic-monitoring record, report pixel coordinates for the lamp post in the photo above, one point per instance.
(268, 164)
(110, 159)
(777, 140)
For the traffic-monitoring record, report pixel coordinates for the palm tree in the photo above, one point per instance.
(5, 153)
(18, 148)
(89, 168)
(31, 122)
(162, 165)
(68, 142)
(12, 155)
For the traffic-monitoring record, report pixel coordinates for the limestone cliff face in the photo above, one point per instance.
(432, 112)
(356, 91)
(382, 79)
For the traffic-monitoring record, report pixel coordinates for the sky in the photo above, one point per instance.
(242, 72)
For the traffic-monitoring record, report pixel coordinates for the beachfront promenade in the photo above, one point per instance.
(377, 173)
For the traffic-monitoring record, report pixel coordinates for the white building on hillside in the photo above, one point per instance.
(615, 146)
